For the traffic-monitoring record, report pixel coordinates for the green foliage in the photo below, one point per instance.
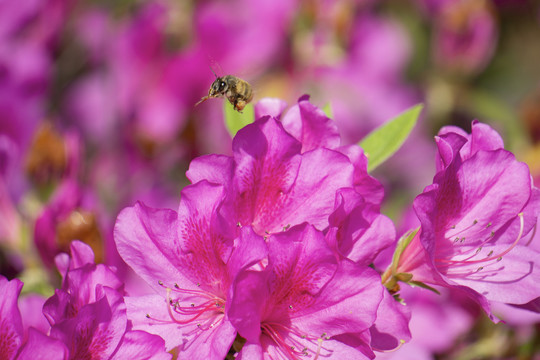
(384, 141)
(327, 109)
(235, 120)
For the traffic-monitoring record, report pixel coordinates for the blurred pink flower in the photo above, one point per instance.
(465, 36)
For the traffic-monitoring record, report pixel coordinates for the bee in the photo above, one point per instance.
(237, 91)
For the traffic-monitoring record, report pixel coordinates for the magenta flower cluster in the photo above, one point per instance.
(271, 253)
(263, 250)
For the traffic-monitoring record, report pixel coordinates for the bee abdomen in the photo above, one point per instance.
(243, 89)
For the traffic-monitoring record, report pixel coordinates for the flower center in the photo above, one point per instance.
(296, 344)
(474, 255)
(188, 306)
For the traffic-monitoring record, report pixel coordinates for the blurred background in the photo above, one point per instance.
(97, 111)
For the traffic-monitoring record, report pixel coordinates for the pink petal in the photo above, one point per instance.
(138, 232)
(310, 125)
(41, 347)
(11, 329)
(139, 345)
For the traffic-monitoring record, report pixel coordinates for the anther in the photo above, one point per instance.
(475, 222)
(488, 225)
(160, 282)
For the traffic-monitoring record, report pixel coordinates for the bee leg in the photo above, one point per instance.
(239, 105)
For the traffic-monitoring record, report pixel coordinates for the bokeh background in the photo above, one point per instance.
(97, 111)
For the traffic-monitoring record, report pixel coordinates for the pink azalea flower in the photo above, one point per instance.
(190, 259)
(284, 173)
(475, 221)
(271, 184)
(88, 313)
(305, 302)
(12, 345)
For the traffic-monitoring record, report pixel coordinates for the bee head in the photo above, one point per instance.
(219, 87)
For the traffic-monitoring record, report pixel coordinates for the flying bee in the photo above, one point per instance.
(237, 91)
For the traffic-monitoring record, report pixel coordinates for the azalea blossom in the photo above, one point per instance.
(283, 173)
(190, 260)
(13, 346)
(88, 313)
(305, 302)
(476, 221)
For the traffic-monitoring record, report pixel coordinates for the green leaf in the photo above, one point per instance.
(235, 120)
(384, 141)
(327, 109)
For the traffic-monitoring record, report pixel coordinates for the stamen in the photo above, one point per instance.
(197, 311)
(453, 227)
(319, 347)
(273, 330)
(490, 256)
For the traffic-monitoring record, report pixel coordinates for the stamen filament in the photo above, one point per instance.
(468, 261)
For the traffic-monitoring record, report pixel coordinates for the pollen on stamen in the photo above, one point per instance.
(475, 222)
(176, 286)
(238, 224)
(160, 283)
(490, 253)
(488, 225)
(480, 269)
(290, 307)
